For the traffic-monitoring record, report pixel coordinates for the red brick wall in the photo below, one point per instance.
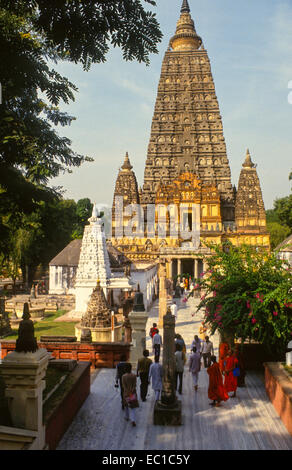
(98, 354)
(278, 388)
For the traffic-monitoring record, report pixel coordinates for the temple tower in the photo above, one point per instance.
(187, 165)
(187, 131)
(250, 213)
(126, 192)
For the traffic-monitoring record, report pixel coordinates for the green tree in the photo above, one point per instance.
(248, 295)
(283, 209)
(83, 212)
(278, 233)
(33, 34)
(37, 237)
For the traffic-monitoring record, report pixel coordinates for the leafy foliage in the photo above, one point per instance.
(33, 35)
(34, 239)
(249, 295)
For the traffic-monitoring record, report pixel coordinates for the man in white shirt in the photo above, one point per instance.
(173, 310)
(207, 351)
(157, 343)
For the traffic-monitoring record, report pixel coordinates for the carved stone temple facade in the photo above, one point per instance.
(187, 164)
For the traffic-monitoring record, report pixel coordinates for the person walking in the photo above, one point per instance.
(197, 343)
(178, 339)
(223, 351)
(242, 373)
(143, 372)
(195, 366)
(182, 287)
(230, 379)
(155, 375)
(153, 330)
(207, 351)
(129, 382)
(216, 390)
(173, 310)
(202, 331)
(179, 367)
(120, 371)
(157, 343)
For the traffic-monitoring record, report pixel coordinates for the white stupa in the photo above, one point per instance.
(93, 263)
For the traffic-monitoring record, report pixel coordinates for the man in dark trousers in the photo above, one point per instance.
(143, 367)
(121, 370)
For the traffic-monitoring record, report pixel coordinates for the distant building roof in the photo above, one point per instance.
(69, 256)
(285, 245)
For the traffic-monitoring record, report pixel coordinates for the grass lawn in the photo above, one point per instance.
(47, 326)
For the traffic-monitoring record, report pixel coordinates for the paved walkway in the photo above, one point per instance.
(247, 422)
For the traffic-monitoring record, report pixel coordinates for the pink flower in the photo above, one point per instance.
(214, 293)
(202, 274)
(275, 313)
(248, 304)
(203, 297)
(220, 323)
(253, 320)
(259, 296)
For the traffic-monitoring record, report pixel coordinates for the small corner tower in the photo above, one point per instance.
(126, 192)
(250, 216)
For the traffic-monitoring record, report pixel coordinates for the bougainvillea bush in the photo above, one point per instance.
(248, 294)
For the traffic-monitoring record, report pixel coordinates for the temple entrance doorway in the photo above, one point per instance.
(187, 267)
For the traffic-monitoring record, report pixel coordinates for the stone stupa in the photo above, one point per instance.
(96, 323)
(93, 263)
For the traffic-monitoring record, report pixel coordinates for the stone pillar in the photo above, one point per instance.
(205, 265)
(196, 268)
(138, 323)
(162, 293)
(179, 267)
(170, 268)
(23, 374)
(168, 410)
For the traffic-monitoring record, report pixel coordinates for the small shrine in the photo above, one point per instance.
(98, 324)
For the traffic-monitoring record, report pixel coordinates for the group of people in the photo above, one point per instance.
(147, 371)
(224, 376)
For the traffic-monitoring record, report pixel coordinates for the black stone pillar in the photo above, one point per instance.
(168, 410)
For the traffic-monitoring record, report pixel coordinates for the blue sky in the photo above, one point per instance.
(250, 48)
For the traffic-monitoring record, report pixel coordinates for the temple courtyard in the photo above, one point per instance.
(247, 422)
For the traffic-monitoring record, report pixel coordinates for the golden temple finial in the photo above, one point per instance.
(127, 165)
(185, 7)
(248, 162)
(185, 38)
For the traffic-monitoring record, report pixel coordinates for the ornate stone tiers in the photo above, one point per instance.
(93, 262)
(98, 319)
(187, 163)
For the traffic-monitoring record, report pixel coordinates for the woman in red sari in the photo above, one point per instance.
(230, 381)
(216, 391)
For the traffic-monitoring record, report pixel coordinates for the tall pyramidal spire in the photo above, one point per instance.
(185, 7)
(187, 129)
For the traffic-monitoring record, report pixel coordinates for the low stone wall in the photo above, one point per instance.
(98, 354)
(279, 389)
(58, 421)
